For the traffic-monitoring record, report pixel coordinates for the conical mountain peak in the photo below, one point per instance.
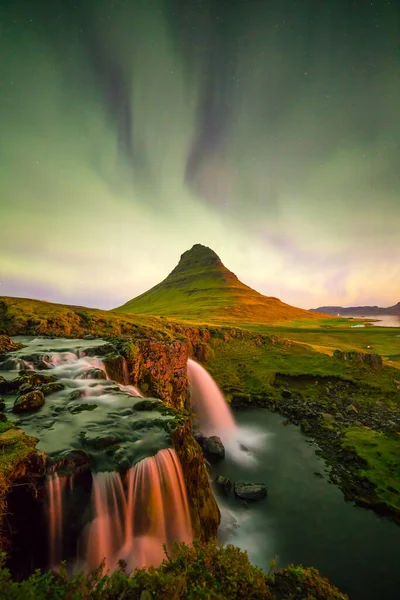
(200, 288)
(200, 259)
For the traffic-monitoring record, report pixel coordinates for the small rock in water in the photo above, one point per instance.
(94, 374)
(224, 483)
(29, 402)
(250, 491)
(213, 448)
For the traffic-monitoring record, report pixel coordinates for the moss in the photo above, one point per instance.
(197, 572)
(204, 511)
(382, 455)
(18, 458)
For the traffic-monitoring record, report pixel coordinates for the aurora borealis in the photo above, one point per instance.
(267, 130)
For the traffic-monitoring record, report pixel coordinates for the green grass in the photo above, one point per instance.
(340, 336)
(196, 572)
(382, 454)
(249, 367)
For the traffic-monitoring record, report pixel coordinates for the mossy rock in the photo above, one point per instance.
(29, 402)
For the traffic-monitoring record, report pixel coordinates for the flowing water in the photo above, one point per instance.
(213, 413)
(128, 497)
(305, 518)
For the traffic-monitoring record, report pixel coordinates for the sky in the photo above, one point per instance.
(268, 130)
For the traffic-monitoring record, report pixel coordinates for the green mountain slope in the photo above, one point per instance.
(201, 288)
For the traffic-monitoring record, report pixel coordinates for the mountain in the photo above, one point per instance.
(358, 310)
(201, 288)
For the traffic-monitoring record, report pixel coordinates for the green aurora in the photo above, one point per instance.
(268, 131)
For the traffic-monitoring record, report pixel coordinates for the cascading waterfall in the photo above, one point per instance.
(117, 512)
(209, 405)
(131, 521)
(55, 491)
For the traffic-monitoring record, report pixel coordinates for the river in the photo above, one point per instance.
(304, 518)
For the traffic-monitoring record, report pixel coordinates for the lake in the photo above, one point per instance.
(384, 320)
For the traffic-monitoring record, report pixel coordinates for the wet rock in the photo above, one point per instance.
(286, 394)
(2, 404)
(76, 394)
(10, 364)
(99, 443)
(82, 407)
(213, 448)
(101, 350)
(51, 388)
(250, 491)
(3, 385)
(7, 345)
(29, 402)
(94, 374)
(70, 461)
(224, 483)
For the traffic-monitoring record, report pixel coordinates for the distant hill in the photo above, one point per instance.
(201, 288)
(358, 310)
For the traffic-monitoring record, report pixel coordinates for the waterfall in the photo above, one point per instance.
(55, 487)
(209, 404)
(130, 522)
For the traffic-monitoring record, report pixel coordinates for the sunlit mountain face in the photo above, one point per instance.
(266, 130)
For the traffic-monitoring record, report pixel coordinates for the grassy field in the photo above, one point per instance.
(339, 335)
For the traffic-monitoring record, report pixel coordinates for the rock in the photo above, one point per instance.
(99, 443)
(213, 448)
(250, 491)
(71, 460)
(51, 388)
(76, 394)
(351, 409)
(286, 394)
(11, 364)
(2, 404)
(371, 360)
(3, 385)
(82, 407)
(7, 345)
(11, 437)
(94, 374)
(29, 402)
(224, 483)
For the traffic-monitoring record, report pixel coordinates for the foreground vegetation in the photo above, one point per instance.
(197, 572)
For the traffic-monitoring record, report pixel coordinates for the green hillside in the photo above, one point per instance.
(201, 288)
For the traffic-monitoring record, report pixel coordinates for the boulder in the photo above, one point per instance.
(51, 388)
(224, 483)
(213, 448)
(250, 491)
(94, 374)
(29, 402)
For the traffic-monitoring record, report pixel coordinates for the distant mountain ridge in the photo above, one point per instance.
(358, 310)
(201, 288)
